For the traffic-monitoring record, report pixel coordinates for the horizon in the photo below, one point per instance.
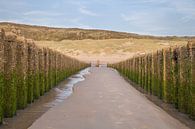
(143, 17)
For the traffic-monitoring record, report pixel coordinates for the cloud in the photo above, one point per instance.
(85, 11)
(137, 17)
(41, 13)
(83, 7)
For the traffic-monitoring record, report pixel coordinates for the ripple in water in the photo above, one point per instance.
(66, 90)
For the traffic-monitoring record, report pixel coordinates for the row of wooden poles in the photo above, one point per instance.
(27, 72)
(168, 74)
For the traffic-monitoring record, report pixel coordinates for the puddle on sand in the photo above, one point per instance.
(66, 90)
(56, 95)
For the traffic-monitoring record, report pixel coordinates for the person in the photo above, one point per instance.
(98, 63)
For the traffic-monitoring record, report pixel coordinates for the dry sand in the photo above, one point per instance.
(110, 50)
(106, 101)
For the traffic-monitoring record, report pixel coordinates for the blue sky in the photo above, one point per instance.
(154, 17)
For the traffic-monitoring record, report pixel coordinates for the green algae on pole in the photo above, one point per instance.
(2, 33)
(21, 69)
(24, 72)
(9, 88)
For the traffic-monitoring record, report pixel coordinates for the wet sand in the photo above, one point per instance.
(106, 101)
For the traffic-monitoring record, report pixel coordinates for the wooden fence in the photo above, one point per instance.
(27, 72)
(168, 74)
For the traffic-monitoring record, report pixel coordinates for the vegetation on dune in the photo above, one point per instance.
(59, 34)
(167, 73)
(120, 48)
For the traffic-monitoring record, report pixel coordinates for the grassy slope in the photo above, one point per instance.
(58, 34)
(85, 44)
(110, 50)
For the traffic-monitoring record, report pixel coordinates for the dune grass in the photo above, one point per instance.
(120, 49)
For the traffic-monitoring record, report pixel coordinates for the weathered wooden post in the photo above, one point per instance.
(2, 36)
(9, 89)
(139, 70)
(45, 51)
(133, 70)
(130, 68)
(181, 90)
(145, 74)
(185, 76)
(142, 71)
(164, 73)
(21, 69)
(149, 73)
(175, 76)
(30, 71)
(168, 81)
(152, 74)
(156, 70)
(160, 74)
(191, 47)
(41, 72)
(50, 69)
(172, 75)
(55, 67)
(127, 68)
(36, 89)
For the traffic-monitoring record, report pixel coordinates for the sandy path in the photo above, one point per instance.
(106, 101)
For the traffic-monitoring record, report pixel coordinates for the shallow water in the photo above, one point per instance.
(66, 90)
(26, 117)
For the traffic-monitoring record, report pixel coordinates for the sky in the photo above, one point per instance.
(151, 17)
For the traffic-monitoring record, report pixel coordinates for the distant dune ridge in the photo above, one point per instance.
(93, 45)
(58, 34)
